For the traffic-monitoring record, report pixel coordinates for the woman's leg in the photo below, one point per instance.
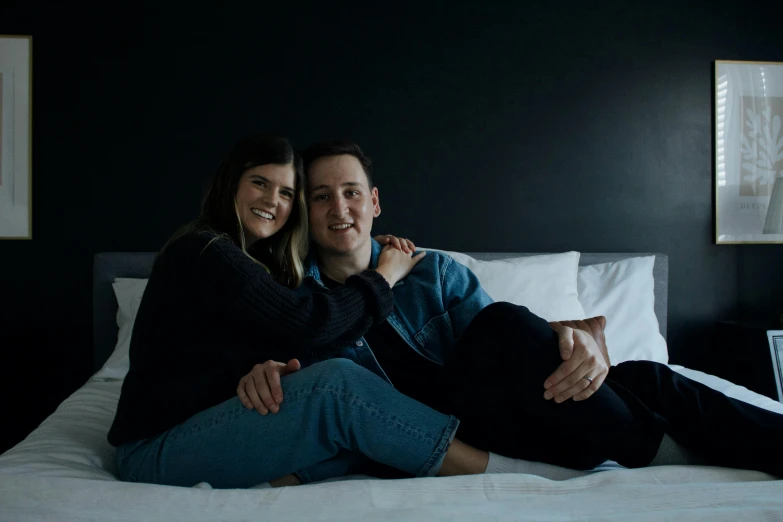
(344, 463)
(497, 378)
(460, 459)
(725, 431)
(329, 407)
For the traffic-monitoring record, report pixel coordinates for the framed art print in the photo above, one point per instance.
(748, 152)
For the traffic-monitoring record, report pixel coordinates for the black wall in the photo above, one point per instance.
(493, 127)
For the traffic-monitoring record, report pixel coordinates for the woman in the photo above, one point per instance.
(218, 300)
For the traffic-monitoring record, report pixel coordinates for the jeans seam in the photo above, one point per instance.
(124, 462)
(370, 407)
(303, 476)
(196, 428)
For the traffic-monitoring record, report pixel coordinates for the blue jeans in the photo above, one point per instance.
(330, 410)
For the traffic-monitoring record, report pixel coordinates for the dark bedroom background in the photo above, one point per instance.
(495, 126)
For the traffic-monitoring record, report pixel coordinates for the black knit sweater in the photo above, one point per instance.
(209, 313)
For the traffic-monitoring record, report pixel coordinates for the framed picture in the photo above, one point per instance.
(15, 137)
(748, 152)
(776, 347)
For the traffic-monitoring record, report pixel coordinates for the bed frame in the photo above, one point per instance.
(110, 265)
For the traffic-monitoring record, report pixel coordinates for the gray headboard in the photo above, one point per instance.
(111, 265)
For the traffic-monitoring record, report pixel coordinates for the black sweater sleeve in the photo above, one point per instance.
(235, 284)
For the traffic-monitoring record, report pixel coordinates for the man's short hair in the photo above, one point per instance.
(337, 148)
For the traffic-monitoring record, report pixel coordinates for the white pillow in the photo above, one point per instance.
(128, 292)
(546, 284)
(623, 292)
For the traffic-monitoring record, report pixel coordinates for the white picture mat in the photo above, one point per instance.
(740, 218)
(15, 151)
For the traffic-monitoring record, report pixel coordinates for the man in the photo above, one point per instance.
(415, 349)
(438, 301)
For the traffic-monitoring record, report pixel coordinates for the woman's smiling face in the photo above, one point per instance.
(265, 198)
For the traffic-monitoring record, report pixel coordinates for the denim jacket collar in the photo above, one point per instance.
(433, 305)
(311, 269)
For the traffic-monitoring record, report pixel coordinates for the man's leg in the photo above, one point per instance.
(497, 377)
(725, 431)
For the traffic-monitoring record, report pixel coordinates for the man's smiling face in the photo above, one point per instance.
(341, 203)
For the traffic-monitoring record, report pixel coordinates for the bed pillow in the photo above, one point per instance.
(622, 291)
(546, 284)
(128, 293)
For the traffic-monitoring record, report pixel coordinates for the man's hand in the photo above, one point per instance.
(582, 358)
(261, 389)
(400, 243)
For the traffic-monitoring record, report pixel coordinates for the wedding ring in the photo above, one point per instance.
(589, 379)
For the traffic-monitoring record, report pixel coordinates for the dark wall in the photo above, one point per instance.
(493, 127)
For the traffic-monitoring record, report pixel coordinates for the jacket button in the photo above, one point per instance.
(359, 343)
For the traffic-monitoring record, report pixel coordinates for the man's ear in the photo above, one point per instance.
(376, 202)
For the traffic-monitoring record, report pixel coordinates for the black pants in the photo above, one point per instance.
(497, 374)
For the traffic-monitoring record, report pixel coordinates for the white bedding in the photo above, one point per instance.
(64, 470)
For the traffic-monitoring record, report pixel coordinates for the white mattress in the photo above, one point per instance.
(64, 470)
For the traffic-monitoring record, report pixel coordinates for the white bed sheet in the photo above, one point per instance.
(64, 470)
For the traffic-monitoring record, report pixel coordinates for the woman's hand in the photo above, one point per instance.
(400, 243)
(395, 264)
(261, 389)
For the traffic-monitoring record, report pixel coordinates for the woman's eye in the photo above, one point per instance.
(320, 197)
(287, 194)
(260, 183)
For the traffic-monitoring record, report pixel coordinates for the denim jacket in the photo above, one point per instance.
(432, 307)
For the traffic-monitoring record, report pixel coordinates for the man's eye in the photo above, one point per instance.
(353, 193)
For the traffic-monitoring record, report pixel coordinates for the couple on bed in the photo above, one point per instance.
(252, 361)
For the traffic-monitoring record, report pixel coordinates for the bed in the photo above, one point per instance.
(64, 470)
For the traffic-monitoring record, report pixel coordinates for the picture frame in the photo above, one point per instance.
(16, 137)
(775, 338)
(748, 152)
